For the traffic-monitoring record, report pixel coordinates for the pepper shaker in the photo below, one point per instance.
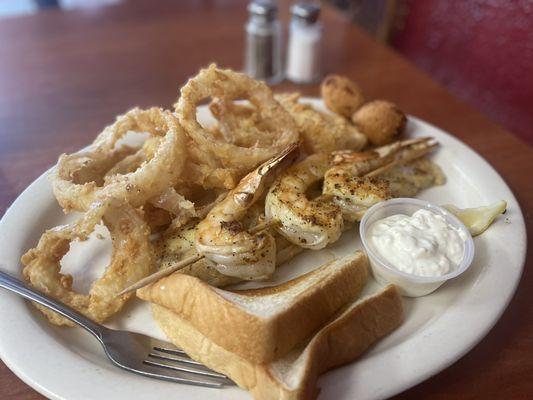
(303, 59)
(263, 42)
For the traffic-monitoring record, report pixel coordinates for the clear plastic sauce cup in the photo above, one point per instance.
(410, 285)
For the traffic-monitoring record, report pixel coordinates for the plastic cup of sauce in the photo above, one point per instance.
(415, 250)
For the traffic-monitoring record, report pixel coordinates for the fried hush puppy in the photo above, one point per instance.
(381, 121)
(341, 95)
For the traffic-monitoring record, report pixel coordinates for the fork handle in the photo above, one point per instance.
(19, 287)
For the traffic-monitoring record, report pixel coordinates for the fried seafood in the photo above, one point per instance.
(213, 82)
(75, 182)
(204, 169)
(381, 121)
(321, 132)
(181, 209)
(346, 194)
(194, 197)
(341, 95)
(132, 259)
(222, 238)
(156, 218)
(174, 209)
(169, 207)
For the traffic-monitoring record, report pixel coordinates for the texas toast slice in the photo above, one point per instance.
(293, 377)
(261, 325)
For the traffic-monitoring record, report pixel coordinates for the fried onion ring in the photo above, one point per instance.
(132, 260)
(213, 82)
(239, 123)
(133, 161)
(321, 132)
(172, 209)
(150, 179)
(205, 170)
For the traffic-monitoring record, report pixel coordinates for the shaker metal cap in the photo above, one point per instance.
(263, 8)
(307, 13)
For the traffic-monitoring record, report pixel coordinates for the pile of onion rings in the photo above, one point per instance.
(176, 175)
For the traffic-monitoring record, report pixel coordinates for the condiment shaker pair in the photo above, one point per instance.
(264, 43)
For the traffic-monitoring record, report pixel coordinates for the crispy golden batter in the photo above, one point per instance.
(150, 179)
(213, 82)
(163, 189)
(131, 261)
(341, 95)
(381, 121)
(321, 132)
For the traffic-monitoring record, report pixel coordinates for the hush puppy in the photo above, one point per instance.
(381, 121)
(341, 95)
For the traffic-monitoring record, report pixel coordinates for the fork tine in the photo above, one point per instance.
(169, 348)
(155, 372)
(196, 365)
(187, 370)
(174, 351)
(162, 344)
(179, 359)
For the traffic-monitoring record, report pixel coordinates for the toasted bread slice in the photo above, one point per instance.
(261, 325)
(294, 376)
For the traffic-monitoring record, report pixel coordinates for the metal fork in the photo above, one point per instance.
(130, 351)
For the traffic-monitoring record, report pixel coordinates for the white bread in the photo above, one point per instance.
(294, 376)
(261, 325)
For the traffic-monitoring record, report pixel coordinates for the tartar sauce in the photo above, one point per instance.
(423, 244)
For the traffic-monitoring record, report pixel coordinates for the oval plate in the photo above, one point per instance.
(64, 363)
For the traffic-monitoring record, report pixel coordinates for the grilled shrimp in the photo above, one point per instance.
(364, 179)
(222, 237)
(355, 194)
(177, 243)
(349, 189)
(408, 179)
(311, 224)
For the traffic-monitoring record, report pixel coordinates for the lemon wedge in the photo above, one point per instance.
(478, 219)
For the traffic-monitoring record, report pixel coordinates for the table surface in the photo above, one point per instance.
(65, 75)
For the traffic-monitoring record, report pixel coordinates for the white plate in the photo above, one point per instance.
(64, 363)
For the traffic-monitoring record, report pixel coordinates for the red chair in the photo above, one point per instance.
(481, 50)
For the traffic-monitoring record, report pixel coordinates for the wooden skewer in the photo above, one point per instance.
(196, 257)
(180, 265)
(415, 154)
(162, 273)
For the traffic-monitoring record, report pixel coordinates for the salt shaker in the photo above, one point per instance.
(263, 42)
(303, 59)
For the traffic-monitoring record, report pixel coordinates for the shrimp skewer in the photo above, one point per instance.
(354, 185)
(222, 237)
(305, 222)
(315, 223)
(420, 174)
